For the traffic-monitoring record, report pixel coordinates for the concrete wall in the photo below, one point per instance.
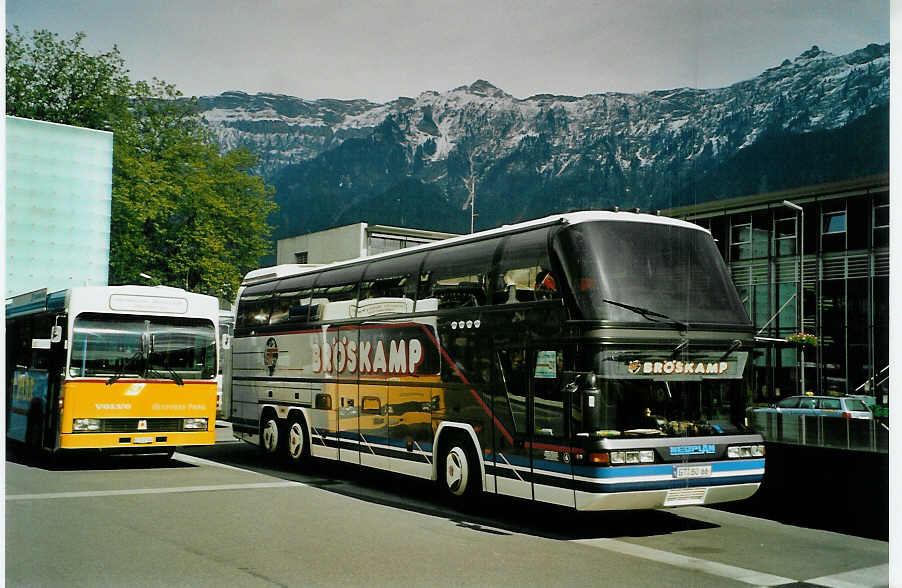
(336, 244)
(58, 195)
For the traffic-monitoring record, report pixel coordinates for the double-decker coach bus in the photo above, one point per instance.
(122, 369)
(590, 359)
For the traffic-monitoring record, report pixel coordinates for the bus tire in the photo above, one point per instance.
(458, 471)
(297, 440)
(270, 434)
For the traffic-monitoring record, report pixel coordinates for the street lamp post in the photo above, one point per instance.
(800, 293)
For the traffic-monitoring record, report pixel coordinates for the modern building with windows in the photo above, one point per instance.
(834, 240)
(350, 242)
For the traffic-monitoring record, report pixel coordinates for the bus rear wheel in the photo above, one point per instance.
(297, 442)
(270, 434)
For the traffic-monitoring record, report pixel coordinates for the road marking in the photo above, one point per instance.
(175, 490)
(689, 563)
(184, 457)
(865, 577)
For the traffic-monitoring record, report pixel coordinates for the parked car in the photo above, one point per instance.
(869, 401)
(825, 406)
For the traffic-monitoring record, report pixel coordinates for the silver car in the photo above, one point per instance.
(825, 406)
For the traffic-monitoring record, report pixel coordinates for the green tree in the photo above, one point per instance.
(181, 211)
(56, 80)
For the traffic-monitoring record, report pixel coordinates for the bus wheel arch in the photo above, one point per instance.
(270, 432)
(458, 468)
(297, 438)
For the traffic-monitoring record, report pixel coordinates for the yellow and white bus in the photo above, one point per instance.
(120, 369)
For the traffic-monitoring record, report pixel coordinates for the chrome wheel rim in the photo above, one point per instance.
(295, 441)
(456, 471)
(270, 436)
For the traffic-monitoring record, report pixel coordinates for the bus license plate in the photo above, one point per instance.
(699, 471)
(141, 440)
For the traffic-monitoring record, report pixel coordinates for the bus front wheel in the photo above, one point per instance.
(459, 471)
(297, 442)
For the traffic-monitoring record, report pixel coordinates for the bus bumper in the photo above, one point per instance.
(664, 498)
(135, 442)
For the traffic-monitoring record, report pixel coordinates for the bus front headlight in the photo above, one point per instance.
(85, 425)
(194, 424)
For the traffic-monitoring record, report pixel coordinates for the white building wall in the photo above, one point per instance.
(336, 244)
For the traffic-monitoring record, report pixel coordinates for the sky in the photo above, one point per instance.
(383, 49)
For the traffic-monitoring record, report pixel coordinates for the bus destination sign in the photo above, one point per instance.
(659, 368)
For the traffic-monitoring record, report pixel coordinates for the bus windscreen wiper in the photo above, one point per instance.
(120, 371)
(172, 374)
(646, 313)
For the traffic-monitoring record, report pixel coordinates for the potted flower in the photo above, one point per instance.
(802, 339)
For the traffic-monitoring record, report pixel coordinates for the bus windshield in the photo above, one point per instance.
(133, 346)
(635, 408)
(635, 272)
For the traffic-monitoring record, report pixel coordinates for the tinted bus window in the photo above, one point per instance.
(524, 272)
(389, 286)
(292, 299)
(254, 306)
(457, 277)
(671, 270)
(335, 294)
(514, 371)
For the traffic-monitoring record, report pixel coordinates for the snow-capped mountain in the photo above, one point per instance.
(818, 117)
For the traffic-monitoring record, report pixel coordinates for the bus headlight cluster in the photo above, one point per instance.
(194, 424)
(644, 456)
(739, 451)
(85, 425)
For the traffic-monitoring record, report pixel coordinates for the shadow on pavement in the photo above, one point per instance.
(491, 514)
(88, 460)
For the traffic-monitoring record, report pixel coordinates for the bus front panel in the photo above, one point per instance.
(136, 414)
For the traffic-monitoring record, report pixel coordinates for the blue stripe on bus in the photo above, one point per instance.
(536, 477)
(664, 469)
(629, 471)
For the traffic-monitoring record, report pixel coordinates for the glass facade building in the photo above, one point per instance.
(58, 197)
(833, 241)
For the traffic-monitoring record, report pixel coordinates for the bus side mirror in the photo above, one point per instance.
(226, 341)
(591, 403)
(56, 334)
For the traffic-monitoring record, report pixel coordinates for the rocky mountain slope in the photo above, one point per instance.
(818, 117)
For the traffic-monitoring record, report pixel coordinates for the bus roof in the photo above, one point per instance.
(128, 299)
(571, 218)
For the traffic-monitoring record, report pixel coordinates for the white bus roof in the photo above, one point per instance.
(569, 218)
(150, 300)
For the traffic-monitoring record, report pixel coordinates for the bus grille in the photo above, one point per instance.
(131, 425)
(684, 496)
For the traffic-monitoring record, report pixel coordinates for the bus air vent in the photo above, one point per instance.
(684, 496)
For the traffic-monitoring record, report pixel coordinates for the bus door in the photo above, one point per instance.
(35, 383)
(410, 425)
(532, 451)
(550, 448)
(373, 398)
(413, 398)
(344, 380)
